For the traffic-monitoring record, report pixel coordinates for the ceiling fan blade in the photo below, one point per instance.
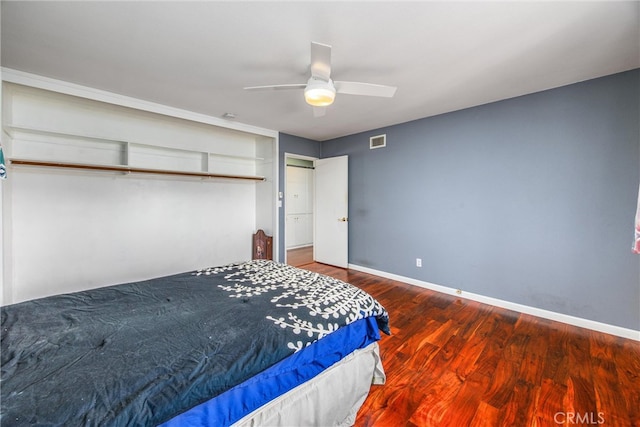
(278, 87)
(319, 111)
(368, 89)
(321, 61)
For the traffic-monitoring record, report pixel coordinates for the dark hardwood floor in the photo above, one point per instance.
(300, 256)
(455, 362)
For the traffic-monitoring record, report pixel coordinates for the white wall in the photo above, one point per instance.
(71, 230)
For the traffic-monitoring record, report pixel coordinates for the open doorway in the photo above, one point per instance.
(299, 209)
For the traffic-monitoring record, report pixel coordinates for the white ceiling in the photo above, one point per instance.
(442, 56)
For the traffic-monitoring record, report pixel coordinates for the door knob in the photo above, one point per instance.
(343, 219)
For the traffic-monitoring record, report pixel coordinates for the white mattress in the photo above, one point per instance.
(332, 398)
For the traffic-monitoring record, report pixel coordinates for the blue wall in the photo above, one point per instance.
(529, 200)
(292, 145)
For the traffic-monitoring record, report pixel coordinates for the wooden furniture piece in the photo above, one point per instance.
(262, 246)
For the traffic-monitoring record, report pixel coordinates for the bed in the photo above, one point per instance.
(252, 343)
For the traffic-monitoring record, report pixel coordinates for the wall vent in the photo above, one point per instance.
(378, 141)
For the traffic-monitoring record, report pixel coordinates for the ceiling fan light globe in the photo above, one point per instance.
(319, 93)
(319, 97)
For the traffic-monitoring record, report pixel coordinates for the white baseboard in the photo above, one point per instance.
(546, 314)
(300, 246)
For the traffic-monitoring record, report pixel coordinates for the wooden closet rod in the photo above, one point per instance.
(128, 169)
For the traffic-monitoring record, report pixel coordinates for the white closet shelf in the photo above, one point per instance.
(128, 169)
(11, 130)
(233, 156)
(128, 149)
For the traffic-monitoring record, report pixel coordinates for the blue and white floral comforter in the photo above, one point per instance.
(144, 353)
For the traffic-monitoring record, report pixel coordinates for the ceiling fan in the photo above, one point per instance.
(320, 90)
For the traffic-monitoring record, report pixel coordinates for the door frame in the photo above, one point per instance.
(283, 232)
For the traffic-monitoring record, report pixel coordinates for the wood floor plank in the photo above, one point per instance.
(442, 390)
(581, 384)
(463, 408)
(608, 392)
(454, 362)
(300, 256)
(485, 416)
(548, 403)
(465, 364)
(627, 362)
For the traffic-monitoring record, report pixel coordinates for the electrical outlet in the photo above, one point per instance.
(418, 262)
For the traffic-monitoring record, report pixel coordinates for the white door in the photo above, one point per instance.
(331, 222)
